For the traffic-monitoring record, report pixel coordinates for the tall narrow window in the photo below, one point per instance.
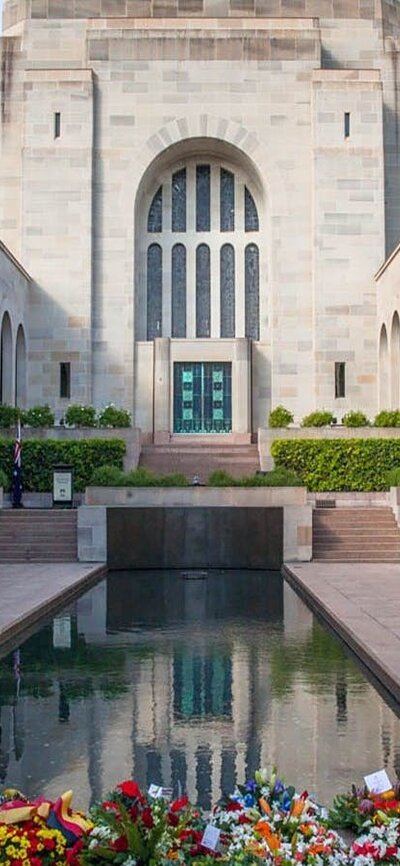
(340, 379)
(65, 380)
(179, 201)
(250, 212)
(154, 291)
(252, 292)
(347, 124)
(57, 125)
(203, 302)
(203, 198)
(178, 278)
(154, 219)
(227, 200)
(227, 289)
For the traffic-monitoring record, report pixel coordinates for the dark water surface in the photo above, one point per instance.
(193, 683)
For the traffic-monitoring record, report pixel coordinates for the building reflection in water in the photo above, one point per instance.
(189, 683)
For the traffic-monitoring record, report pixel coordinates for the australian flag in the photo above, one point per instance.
(16, 489)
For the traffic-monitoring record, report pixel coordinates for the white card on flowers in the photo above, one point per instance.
(211, 837)
(378, 783)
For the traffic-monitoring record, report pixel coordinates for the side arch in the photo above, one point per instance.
(395, 362)
(20, 368)
(384, 397)
(6, 361)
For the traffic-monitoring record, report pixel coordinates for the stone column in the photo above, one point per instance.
(162, 390)
(241, 415)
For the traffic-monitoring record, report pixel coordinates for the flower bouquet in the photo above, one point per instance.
(360, 807)
(31, 843)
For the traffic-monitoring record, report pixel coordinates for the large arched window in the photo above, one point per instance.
(200, 253)
(20, 369)
(6, 353)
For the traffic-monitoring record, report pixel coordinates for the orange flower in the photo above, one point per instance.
(273, 841)
(317, 848)
(297, 808)
(264, 806)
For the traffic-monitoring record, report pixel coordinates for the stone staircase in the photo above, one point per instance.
(191, 458)
(355, 535)
(38, 535)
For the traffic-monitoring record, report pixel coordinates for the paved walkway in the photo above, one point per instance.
(30, 591)
(362, 603)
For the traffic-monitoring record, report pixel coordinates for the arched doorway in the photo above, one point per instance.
(383, 369)
(6, 355)
(395, 362)
(200, 262)
(20, 369)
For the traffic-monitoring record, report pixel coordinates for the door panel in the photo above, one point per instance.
(202, 397)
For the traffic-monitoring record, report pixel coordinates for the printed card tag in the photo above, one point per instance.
(378, 782)
(157, 792)
(211, 837)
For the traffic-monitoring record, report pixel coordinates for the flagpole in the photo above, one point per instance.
(16, 489)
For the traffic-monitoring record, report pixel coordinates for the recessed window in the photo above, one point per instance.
(57, 125)
(347, 124)
(65, 380)
(340, 379)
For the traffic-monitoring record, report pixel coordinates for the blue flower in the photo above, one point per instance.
(248, 800)
(279, 787)
(251, 786)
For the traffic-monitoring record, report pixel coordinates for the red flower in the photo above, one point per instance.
(130, 789)
(172, 819)
(49, 844)
(179, 804)
(243, 819)
(120, 844)
(234, 806)
(147, 818)
(35, 861)
(108, 805)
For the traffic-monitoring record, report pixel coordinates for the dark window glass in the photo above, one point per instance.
(179, 201)
(227, 200)
(178, 271)
(250, 212)
(203, 305)
(65, 380)
(203, 198)
(154, 291)
(252, 292)
(340, 379)
(154, 220)
(347, 124)
(57, 125)
(227, 289)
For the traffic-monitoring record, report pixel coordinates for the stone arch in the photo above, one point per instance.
(384, 397)
(6, 361)
(20, 368)
(395, 362)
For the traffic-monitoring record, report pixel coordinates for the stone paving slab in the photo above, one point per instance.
(362, 603)
(29, 592)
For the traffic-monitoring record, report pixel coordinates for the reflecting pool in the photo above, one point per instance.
(193, 683)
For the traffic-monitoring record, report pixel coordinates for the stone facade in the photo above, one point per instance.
(105, 101)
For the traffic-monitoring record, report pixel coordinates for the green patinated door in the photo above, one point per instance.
(202, 397)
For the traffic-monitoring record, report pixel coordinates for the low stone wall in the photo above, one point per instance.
(266, 436)
(130, 435)
(94, 518)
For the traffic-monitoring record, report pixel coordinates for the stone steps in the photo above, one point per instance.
(191, 459)
(356, 535)
(36, 535)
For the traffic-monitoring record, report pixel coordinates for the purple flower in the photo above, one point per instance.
(366, 806)
(279, 787)
(251, 786)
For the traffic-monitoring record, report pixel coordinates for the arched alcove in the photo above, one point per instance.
(383, 369)
(6, 355)
(20, 369)
(395, 362)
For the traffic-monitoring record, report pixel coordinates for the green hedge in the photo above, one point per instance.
(341, 464)
(39, 457)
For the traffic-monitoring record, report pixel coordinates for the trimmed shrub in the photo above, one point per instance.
(220, 478)
(5, 482)
(387, 418)
(110, 416)
(39, 416)
(393, 477)
(280, 417)
(340, 464)
(355, 419)
(9, 415)
(80, 416)
(39, 457)
(107, 476)
(278, 477)
(322, 418)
